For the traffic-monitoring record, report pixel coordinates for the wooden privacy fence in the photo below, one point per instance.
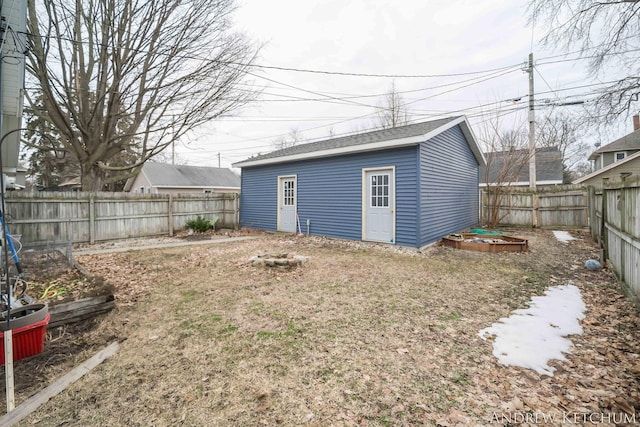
(557, 206)
(614, 210)
(45, 218)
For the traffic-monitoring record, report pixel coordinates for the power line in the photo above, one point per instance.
(356, 74)
(502, 112)
(349, 97)
(402, 76)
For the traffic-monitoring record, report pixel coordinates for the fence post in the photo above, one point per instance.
(622, 206)
(236, 207)
(170, 215)
(535, 210)
(92, 219)
(481, 207)
(69, 243)
(592, 212)
(585, 201)
(603, 224)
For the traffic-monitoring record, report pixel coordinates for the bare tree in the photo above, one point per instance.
(118, 76)
(567, 134)
(580, 170)
(606, 32)
(294, 137)
(392, 111)
(507, 156)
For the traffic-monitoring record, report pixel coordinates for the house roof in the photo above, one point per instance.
(182, 176)
(368, 141)
(548, 166)
(604, 170)
(628, 142)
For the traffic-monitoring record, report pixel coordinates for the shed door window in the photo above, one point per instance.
(288, 192)
(380, 191)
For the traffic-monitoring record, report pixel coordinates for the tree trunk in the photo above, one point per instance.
(93, 178)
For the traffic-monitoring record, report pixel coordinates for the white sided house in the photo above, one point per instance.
(166, 178)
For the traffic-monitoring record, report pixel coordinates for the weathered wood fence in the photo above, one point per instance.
(46, 218)
(614, 210)
(557, 206)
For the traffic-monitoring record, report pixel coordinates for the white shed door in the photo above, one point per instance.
(379, 217)
(287, 204)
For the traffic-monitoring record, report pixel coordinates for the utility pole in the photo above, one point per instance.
(532, 123)
(218, 160)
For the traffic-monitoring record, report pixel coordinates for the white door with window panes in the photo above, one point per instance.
(287, 204)
(379, 205)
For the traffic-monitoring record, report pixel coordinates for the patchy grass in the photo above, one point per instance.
(358, 335)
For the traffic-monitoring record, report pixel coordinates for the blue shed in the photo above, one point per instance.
(409, 185)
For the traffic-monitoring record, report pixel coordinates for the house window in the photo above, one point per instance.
(380, 191)
(288, 193)
(620, 155)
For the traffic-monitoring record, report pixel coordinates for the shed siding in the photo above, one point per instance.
(448, 186)
(330, 193)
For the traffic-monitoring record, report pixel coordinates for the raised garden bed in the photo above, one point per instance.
(485, 243)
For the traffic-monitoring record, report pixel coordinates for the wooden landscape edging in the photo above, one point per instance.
(75, 311)
(34, 402)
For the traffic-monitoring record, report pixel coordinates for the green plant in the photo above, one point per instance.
(200, 224)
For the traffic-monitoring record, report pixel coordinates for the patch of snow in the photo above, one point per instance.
(563, 236)
(530, 337)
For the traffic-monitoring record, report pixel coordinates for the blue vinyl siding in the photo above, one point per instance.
(436, 191)
(258, 200)
(448, 186)
(330, 193)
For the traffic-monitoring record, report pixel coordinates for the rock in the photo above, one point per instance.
(592, 265)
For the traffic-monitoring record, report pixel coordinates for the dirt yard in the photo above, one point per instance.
(358, 335)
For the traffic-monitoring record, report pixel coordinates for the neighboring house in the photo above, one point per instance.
(617, 159)
(16, 179)
(409, 185)
(619, 149)
(70, 183)
(166, 178)
(512, 167)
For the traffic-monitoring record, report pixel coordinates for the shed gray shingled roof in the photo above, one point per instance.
(358, 139)
(628, 142)
(166, 175)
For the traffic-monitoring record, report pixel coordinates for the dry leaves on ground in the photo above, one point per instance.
(360, 334)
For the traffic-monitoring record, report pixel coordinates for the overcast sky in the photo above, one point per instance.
(477, 48)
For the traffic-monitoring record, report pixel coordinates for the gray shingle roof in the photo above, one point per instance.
(628, 142)
(358, 139)
(548, 166)
(166, 175)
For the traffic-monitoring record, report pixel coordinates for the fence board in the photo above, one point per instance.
(55, 217)
(561, 206)
(616, 208)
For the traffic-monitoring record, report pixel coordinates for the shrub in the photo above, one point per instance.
(200, 224)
